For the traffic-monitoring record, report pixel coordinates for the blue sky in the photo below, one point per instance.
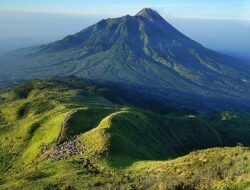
(219, 9)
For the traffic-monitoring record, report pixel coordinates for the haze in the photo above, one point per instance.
(220, 25)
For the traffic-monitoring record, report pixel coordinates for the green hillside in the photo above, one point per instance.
(232, 125)
(140, 50)
(68, 133)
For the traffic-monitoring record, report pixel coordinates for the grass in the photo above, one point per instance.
(201, 169)
(233, 126)
(197, 170)
(83, 120)
(123, 145)
(147, 136)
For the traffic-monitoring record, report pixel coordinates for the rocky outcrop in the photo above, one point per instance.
(66, 149)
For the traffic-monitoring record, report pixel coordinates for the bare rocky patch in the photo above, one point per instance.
(66, 150)
(63, 150)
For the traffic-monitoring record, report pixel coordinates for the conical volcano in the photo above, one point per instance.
(140, 50)
(149, 14)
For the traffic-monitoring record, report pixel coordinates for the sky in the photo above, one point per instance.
(236, 9)
(222, 25)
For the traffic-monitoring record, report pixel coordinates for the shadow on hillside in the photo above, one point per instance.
(123, 162)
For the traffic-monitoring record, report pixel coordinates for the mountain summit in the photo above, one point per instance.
(149, 13)
(142, 50)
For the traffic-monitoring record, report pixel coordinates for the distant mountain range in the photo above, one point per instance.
(142, 50)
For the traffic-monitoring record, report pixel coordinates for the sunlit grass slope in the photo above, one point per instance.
(68, 133)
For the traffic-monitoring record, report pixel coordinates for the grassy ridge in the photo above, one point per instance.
(197, 171)
(216, 168)
(148, 136)
(122, 144)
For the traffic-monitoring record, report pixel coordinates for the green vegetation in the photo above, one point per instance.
(216, 168)
(67, 133)
(137, 50)
(233, 126)
(124, 133)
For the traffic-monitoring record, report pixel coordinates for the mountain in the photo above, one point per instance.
(70, 133)
(142, 50)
